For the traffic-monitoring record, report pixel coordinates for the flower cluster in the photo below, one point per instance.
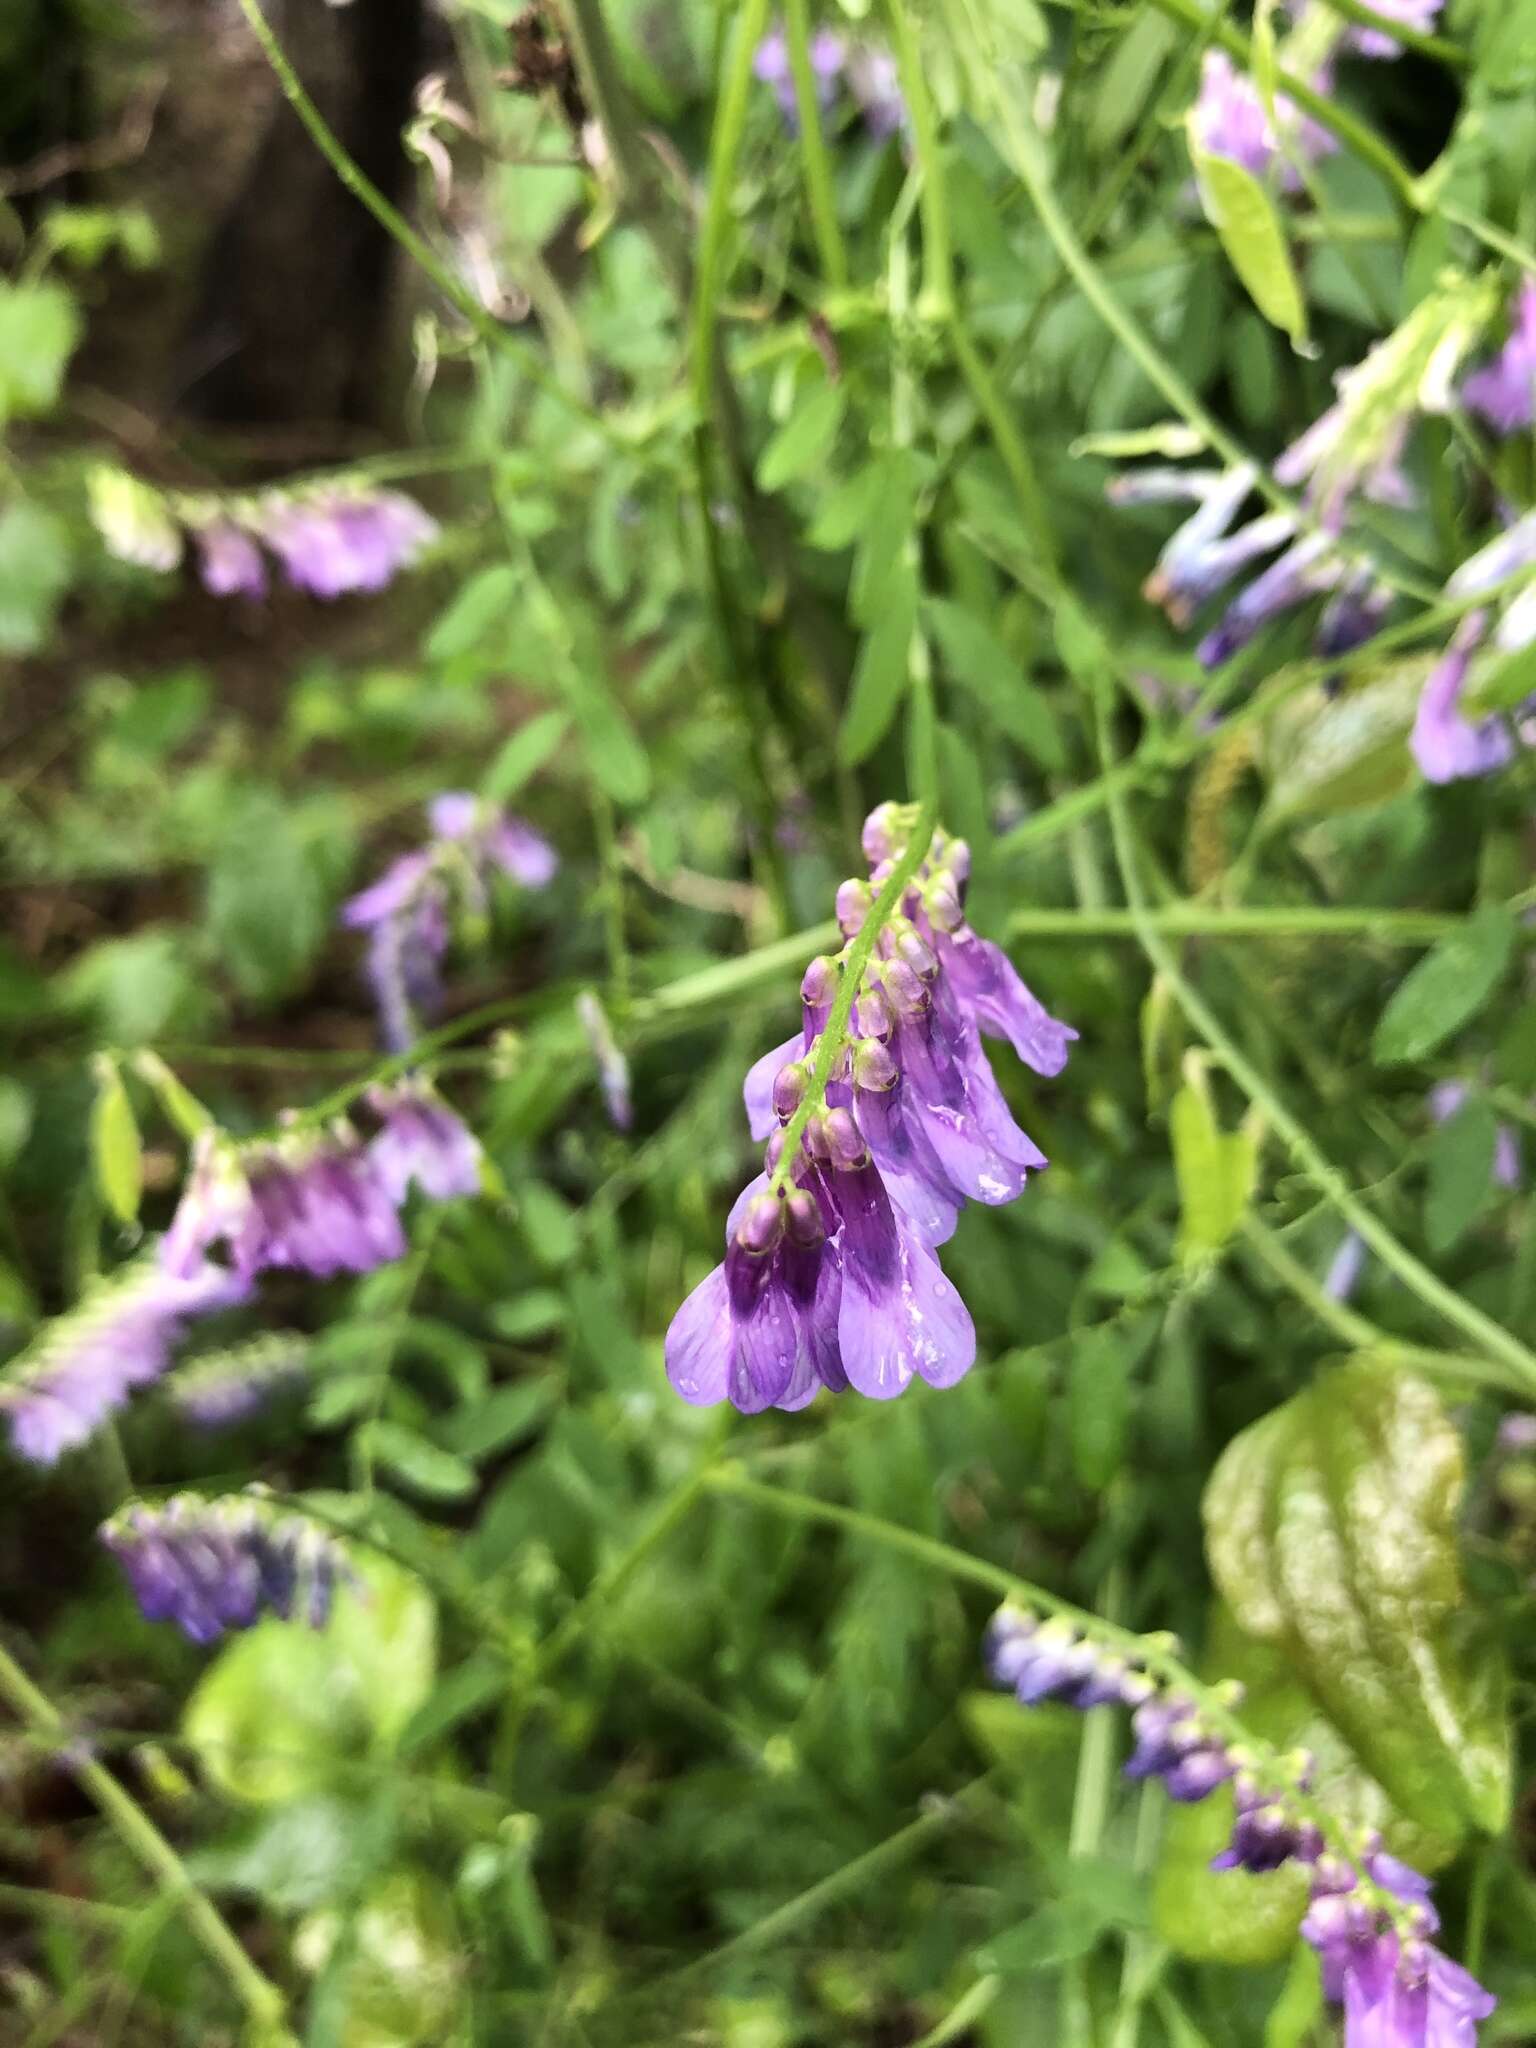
(86, 1364)
(830, 1277)
(1370, 1917)
(321, 1202)
(316, 1202)
(408, 912)
(868, 71)
(1230, 119)
(210, 1566)
(328, 540)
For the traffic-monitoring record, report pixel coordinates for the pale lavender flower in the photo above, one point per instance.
(771, 66)
(1504, 556)
(85, 1364)
(1229, 119)
(214, 1565)
(229, 561)
(420, 1141)
(875, 85)
(1503, 391)
(1446, 744)
(489, 835)
(1374, 42)
(612, 1066)
(344, 538)
(1308, 567)
(1345, 1268)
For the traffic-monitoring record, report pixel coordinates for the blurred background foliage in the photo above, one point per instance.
(609, 1752)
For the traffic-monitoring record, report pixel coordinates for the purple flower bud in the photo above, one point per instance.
(883, 834)
(762, 1226)
(904, 989)
(845, 1142)
(854, 900)
(802, 1220)
(818, 985)
(872, 1013)
(789, 1086)
(917, 953)
(216, 1565)
(1446, 744)
(873, 1067)
(229, 561)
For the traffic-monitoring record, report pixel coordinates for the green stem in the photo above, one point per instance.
(1486, 1334)
(394, 223)
(834, 1036)
(724, 148)
(1189, 920)
(937, 299)
(814, 160)
(261, 1998)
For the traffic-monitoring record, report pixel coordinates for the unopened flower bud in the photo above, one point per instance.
(762, 1226)
(854, 899)
(904, 989)
(815, 1140)
(918, 954)
(872, 1013)
(941, 902)
(789, 1090)
(845, 1143)
(879, 838)
(873, 1067)
(818, 985)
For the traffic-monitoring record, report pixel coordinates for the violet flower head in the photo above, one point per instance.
(84, 1365)
(1397, 1990)
(771, 66)
(421, 1142)
(875, 84)
(1503, 391)
(612, 1066)
(221, 1388)
(212, 1566)
(830, 1277)
(344, 538)
(1447, 745)
(1345, 1267)
(309, 1201)
(1374, 42)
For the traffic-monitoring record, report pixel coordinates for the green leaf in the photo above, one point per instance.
(549, 1224)
(1241, 211)
(1216, 1172)
(39, 328)
(880, 676)
(844, 511)
(1445, 989)
(615, 755)
(1099, 1395)
(804, 440)
(523, 755)
(884, 536)
(1331, 1530)
(1079, 643)
(287, 1711)
(399, 1963)
(415, 1461)
(485, 600)
(35, 563)
(117, 1154)
(979, 661)
(504, 1417)
(1461, 1156)
(1342, 753)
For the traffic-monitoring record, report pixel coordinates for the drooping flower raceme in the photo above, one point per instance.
(211, 1566)
(328, 539)
(831, 1277)
(84, 1365)
(408, 912)
(1370, 1917)
(309, 1201)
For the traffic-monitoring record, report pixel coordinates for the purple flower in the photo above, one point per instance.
(1229, 119)
(612, 1067)
(1415, 14)
(1397, 1991)
(1307, 568)
(210, 1566)
(1502, 392)
(421, 1141)
(343, 539)
(85, 1364)
(310, 1202)
(875, 85)
(1446, 744)
(226, 1387)
(406, 911)
(1343, 1275)
(771, 66)
(229, 561)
